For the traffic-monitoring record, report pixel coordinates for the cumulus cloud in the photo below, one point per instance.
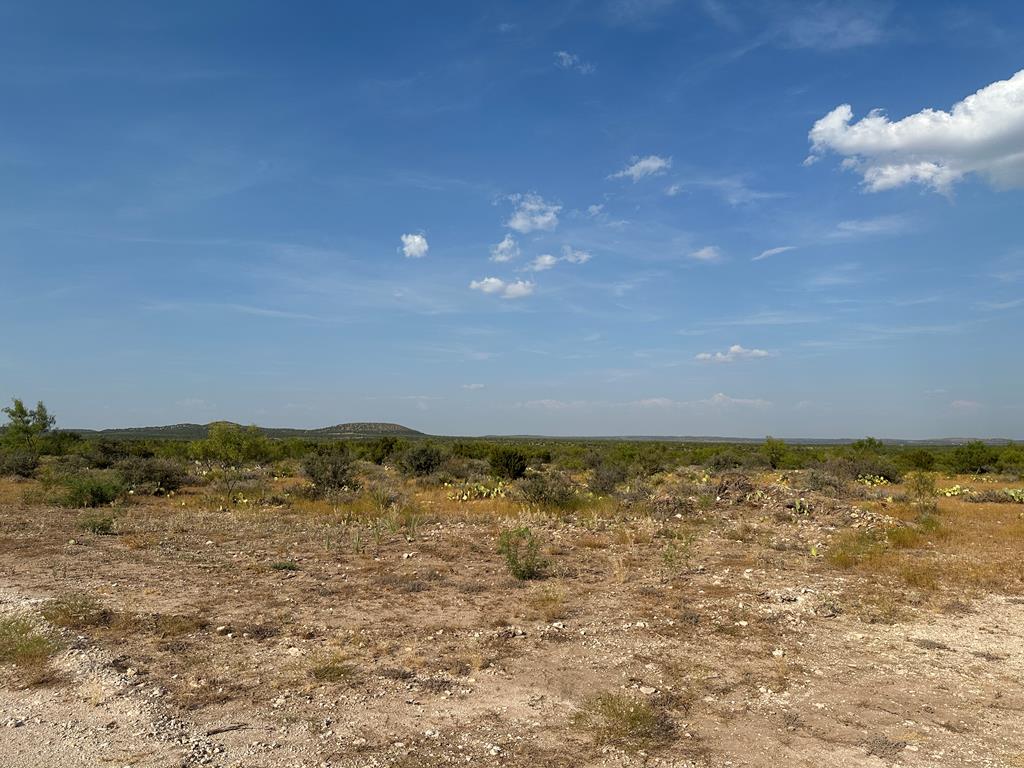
(639, 167)
(543, 262)
(533, 213)
(731, 355)
(983, 135)
(569, 254)
(571, 61)
(774, 252)
(707, 253)
(414, 246)
(506, 250)
(506, 289)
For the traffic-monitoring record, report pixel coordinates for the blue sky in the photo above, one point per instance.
(622, 217)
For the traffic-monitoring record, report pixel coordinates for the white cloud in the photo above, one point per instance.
(569, 254)
(879, 225)
(574, 256)
(533, 213)
(570, 61)
(983, 134)
(774, 252)
(543, 262)
(506, 250)
(718, 400)
(673, 189)
(556, 405)
(595, 209)
(731, 355)
(655, 402)
(832, 26)
(472, 387)
(722, 400)
(965, 405)
(707, 253)
(507, 290)
(414, 246)
(640, 167)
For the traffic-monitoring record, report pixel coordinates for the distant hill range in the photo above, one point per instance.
(369, 429)
(355, 429)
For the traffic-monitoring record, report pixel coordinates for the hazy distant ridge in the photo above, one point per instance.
(200, 431)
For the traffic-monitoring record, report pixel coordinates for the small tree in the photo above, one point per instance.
(973, 457)
(508, 462)
(774, 451)
(231, 445)
(24, 426)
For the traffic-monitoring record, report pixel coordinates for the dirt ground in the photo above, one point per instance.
(292, 636)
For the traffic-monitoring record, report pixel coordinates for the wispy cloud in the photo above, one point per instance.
(965, 405)
(472, 387)
(731, 355)
(640, 167)
(851, 229)
(506, 250)
(733, 189)
(708, 253)
(572, 62)
(717, 401)
(830, 26)
(773, 252)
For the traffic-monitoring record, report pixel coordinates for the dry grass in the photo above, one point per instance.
(23, 644)
(625, 721)
(549, 603)
(952, 545)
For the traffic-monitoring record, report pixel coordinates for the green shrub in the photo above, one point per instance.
(330, 468)
(920, 459)
(101, 525)
(508, 463)
(421, 459)
(775, 452)
(549, 490)
(972, 458)
(18, 463)
(723, 460)
(285, 565)
(91, 488)
(522, 553)
(605, 477)
(152, 475)
(381, 449)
